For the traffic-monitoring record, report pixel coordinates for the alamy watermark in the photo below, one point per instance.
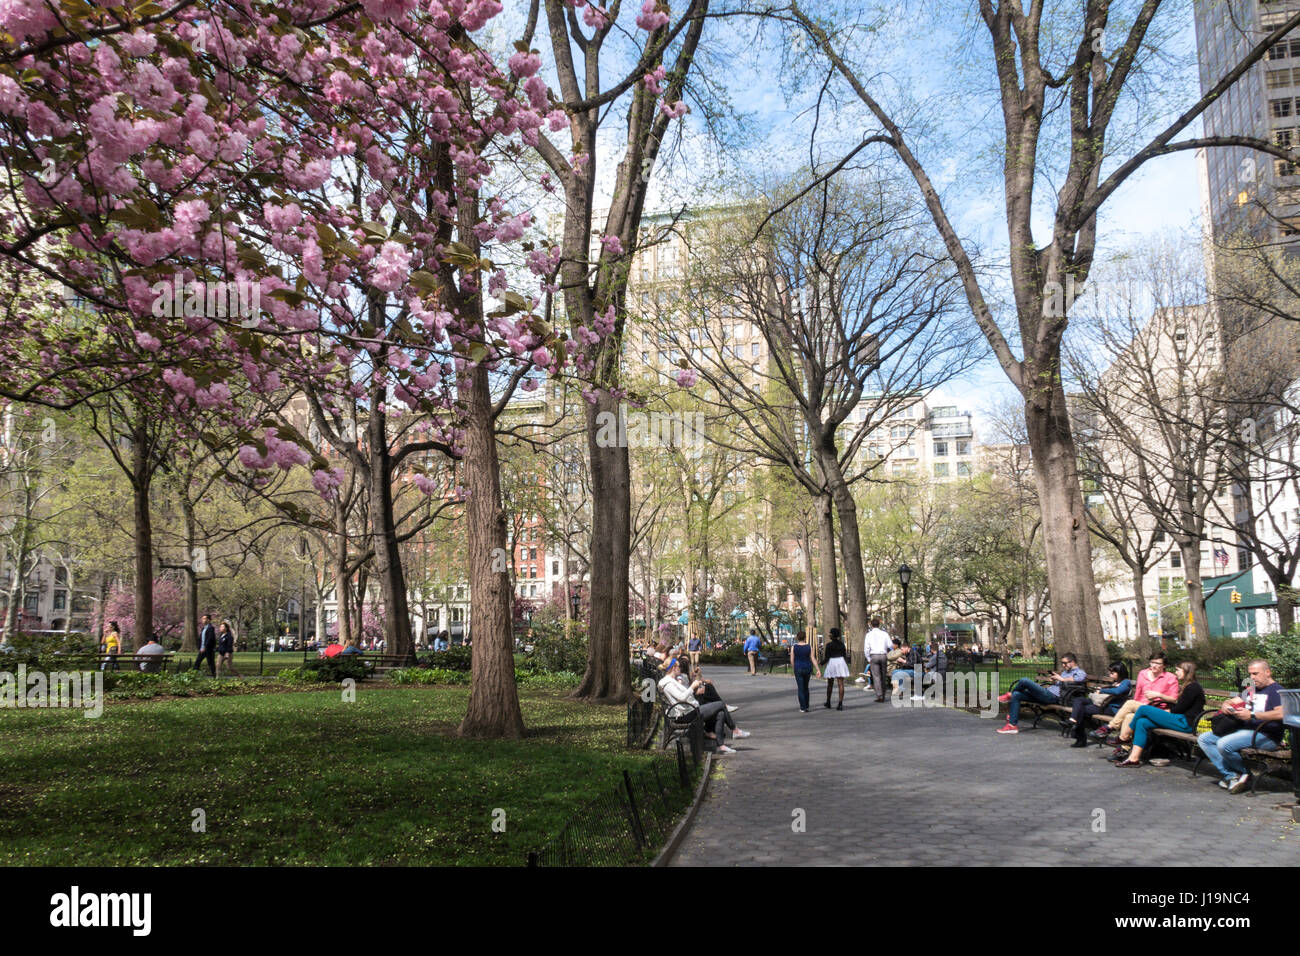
(213, 300)
(961, 689)
(638, 429)
(70, 690)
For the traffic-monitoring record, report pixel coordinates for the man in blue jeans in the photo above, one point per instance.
(1026, 689)
(1259, 709)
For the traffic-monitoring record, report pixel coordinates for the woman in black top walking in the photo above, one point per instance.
(1183, 713)
(837, 667)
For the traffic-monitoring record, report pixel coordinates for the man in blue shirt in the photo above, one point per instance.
(751, 650)
(1026, 689)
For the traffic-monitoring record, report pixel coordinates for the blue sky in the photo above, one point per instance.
(932, 70)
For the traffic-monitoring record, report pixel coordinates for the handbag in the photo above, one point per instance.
(1222, 724)
(1098, 698)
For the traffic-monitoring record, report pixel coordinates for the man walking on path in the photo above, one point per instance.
(207, 645)
(751, 650)
(876, 646)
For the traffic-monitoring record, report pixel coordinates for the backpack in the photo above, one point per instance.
(1070, 691)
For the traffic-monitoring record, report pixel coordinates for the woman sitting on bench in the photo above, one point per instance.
(682, 701)
(1083, 708)
(1183, 709)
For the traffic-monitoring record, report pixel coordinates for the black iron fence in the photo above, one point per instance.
(629, 824)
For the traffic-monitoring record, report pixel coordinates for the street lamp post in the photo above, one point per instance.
(904, 578)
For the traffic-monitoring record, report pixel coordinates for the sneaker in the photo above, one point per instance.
(802, 710)
(1009, 729)
(1240, 784)
(1102, 732)
(1003, 698)
(741, 734)
(860, 680)
(724, 750)
(732, 708)
(1227, 782)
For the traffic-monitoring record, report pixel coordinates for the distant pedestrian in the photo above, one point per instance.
(803, 665)
(751, 650)
(693, 646)
(836, 667)
(207, 646)
(226, 649)
(112, 645)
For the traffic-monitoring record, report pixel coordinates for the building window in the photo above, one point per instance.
(899, 431)
(1280, 108)
(1274, 79)
(31, 603)
(1175, 559)
(61, 577)
(60, 600)
(1278, 51)
(941, 469)
(1282, 137)
(941, 449)
(555, 568)
(963, 468)
(963, 448)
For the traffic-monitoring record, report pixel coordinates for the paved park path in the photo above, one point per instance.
(924, 786)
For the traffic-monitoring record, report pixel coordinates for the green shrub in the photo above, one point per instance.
(729, 655)
(1281, 651)
(452, 659)
(559, 679)
(333, 670)
(132, 685)
(555, 652)
(428, 675)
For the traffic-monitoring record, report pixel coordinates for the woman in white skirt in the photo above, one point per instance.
(837, 667)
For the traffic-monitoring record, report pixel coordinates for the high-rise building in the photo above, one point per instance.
(1249, 191)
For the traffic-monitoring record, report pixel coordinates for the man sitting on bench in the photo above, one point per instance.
(1026, 689)
(1258, 709)
(682, 702)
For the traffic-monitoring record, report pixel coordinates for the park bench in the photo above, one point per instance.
(378, 664)
(774, 661)
(1058, 712)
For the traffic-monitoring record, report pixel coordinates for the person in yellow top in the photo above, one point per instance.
(112, 643)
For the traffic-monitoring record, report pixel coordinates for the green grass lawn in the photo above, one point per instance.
(298, 778)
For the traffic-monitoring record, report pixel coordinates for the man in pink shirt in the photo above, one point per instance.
(1154, 680)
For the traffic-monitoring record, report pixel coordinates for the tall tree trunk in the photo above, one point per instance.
(103, 605)
(826, 554)
(1190, 549)
(189, 631)
(855, 584)
(809, 585)
(1140, 607)
(388, 556)
(493, 698)
(607, 679)
(141, 477)
(342, 578)
(1076, 612)
(1285, 608)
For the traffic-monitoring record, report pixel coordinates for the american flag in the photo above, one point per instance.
(1221, 556)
